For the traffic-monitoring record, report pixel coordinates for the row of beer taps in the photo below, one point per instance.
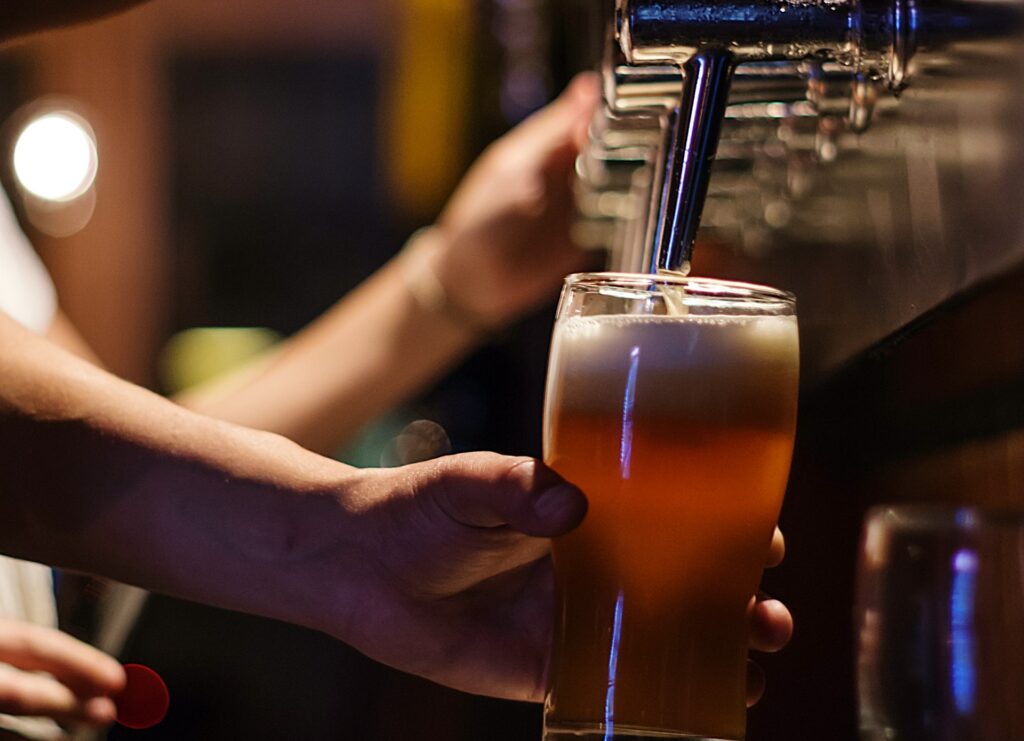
(773, 87)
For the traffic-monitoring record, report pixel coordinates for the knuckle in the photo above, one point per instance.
(14, 699)
(34, 645)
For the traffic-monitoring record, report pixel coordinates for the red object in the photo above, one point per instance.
(144, 700)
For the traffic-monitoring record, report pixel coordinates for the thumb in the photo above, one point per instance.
(488, 490)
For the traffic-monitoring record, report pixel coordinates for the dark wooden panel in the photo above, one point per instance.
(936, 413)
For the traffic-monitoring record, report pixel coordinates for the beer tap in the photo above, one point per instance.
(706, 40)
(631, 136)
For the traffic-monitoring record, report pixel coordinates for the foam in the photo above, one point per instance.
(682, 341)
(686, 361)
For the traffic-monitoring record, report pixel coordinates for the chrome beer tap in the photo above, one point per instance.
(632, 133)
(867, 43)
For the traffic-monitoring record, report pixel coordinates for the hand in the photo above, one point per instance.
(504, 236)
(80, 683)
(457, 584)
(771, 625)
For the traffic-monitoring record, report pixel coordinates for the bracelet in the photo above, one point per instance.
(426, 287)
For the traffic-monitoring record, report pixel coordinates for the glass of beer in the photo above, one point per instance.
(940, 623)
(671, 402)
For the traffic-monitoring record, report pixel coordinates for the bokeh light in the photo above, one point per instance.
(55, 157)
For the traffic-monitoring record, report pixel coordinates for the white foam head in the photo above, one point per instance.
(685, 361)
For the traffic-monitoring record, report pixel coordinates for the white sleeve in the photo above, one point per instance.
(26, 291)
(26, 589)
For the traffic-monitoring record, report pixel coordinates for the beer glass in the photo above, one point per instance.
(671, 402)
(940, 622)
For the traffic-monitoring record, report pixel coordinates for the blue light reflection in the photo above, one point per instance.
(961, 620)
(628, 402)
(613, 668)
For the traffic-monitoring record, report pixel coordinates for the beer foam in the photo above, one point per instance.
(680, 361)
(679, 340)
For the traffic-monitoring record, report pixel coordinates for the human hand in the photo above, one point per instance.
(507, 226)
(771, 624)
(457, 584)
(80, 684)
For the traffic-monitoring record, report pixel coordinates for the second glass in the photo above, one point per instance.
(672, 403)
(940, 624)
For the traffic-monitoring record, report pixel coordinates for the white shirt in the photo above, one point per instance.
(28, 295)
(26, 291)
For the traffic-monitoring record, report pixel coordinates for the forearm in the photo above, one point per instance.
(101, 476)
(371, 351)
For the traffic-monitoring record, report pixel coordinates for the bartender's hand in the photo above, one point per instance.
(504, 240)
(80, 682)
(457, 583)
(771, 625)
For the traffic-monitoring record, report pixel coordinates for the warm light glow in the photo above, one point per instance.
(55, 157)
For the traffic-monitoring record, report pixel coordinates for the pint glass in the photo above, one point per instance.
(671, 402)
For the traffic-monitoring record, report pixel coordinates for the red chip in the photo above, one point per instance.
(144, 700)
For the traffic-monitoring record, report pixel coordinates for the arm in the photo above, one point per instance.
(93, 468)
(500, 248)
(437, 568)
(371, 351)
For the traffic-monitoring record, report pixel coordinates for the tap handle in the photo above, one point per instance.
(693, 130)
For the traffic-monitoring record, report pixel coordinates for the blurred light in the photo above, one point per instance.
(195, 356)
(55, 157)
(777, 214)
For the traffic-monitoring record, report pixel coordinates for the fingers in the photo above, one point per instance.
(771, 627)
(81, 676)
(490, 490)
(771, 624)
(87, 671)
(778, 549)
(584, 94)
(563, 122)
(27, 694)
(755, 683)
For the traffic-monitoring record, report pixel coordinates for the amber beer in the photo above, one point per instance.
(679, 428)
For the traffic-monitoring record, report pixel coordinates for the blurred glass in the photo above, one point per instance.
(940, 618)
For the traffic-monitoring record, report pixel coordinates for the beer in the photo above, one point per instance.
(679, 429)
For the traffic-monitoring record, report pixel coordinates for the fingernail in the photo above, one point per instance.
(557, 501)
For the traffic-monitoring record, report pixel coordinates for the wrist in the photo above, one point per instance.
(294, 548)
(432, 288)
